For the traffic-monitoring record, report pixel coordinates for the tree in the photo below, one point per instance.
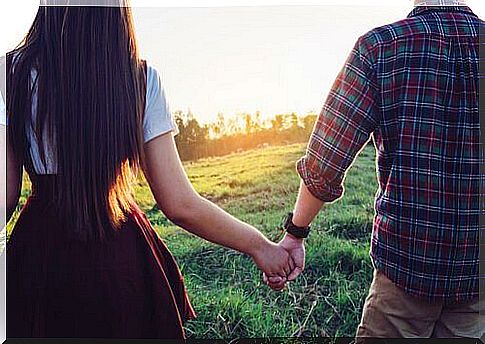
(277, 122)
(293, 121)
(309, 121)
(248, 122)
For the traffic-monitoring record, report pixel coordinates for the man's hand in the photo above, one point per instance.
(275, 262)
(306, 208)
(296, 249)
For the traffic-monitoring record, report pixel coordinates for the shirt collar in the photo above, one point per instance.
(418, 10)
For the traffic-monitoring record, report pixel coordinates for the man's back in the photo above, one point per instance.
(429, 169)
(413, 86)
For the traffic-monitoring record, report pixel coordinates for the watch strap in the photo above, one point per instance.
(290, 227)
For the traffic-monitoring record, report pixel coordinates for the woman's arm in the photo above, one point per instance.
(179, 201)
(3, 175)
(14, 175)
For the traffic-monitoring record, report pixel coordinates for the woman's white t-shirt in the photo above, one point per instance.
(158, 120)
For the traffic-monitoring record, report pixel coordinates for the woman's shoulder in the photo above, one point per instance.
(158, 119)
(153, 74)
(154, 81)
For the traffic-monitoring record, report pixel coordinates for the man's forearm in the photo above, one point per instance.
(306, 208)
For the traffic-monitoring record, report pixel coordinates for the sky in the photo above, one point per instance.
(241, 59)
(247, 59)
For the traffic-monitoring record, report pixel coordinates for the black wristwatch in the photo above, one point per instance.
(289, 226)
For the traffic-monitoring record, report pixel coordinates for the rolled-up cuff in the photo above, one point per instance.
(317, 184)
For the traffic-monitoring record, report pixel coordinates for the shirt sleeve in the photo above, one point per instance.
(3, 111)
(158, 119)
(348, 118)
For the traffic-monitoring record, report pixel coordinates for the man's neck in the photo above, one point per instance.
(439, 3)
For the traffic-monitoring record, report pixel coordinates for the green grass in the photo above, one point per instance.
(226, 289)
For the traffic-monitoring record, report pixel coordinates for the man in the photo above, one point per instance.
(412, 87)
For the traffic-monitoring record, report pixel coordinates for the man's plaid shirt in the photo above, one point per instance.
(412, 87)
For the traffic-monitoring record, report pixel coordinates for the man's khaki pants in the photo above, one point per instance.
(389, 312)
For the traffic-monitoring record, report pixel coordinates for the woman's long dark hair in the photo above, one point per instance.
(91, 93)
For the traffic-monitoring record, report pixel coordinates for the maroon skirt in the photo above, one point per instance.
(125, 287)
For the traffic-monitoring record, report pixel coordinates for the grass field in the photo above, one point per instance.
(227, 292)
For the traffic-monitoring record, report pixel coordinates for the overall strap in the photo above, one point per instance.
(28, 162)
(42, 185)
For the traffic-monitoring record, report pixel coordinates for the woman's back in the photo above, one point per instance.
(79, 68)
(83, 259)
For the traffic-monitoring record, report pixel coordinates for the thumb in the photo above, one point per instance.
(295, 273)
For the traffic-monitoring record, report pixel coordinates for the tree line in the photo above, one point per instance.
(238, 133)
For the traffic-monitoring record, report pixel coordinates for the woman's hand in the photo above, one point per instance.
(275, 262)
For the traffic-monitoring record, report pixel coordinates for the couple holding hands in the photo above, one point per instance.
(84, 114)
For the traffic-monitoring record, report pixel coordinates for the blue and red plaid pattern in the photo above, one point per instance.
(412, 87)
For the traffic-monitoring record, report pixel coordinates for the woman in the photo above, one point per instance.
(84, 114)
